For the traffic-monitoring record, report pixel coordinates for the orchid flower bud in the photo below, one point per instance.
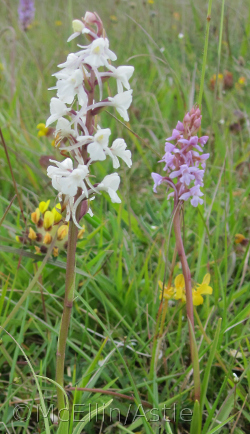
(78, 26)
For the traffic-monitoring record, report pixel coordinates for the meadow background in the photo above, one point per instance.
(125, 247)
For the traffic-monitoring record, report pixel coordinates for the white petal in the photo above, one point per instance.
(96, 152)
(110, 184)
(73, 36)
(118, 148)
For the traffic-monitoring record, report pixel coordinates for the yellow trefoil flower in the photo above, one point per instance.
(202, 289)
(35, 216)
(47, 239)
(42, 130)
(81, 233)
(56, 214)
(239, 238)
(242, 81)
(32, 234)
(62, 232)
(55, 252)
(168, 291)
(180, 293)
(48, 220)
(113, 18)
(43, 206)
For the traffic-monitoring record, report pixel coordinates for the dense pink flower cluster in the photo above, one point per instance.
(26, 12)
(184, 160)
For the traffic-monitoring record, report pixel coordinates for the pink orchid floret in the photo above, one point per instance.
(157, 180)
(184, 161)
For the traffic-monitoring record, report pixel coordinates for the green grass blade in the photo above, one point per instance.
(209, 365)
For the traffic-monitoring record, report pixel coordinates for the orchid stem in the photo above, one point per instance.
(70, 276)
(67, 308)
(189, 298)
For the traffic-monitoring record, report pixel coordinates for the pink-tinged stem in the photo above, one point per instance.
(189, 298)
(185, 267)
(67, 308)
(70, 273)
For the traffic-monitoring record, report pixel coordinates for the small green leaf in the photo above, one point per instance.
(196, 419)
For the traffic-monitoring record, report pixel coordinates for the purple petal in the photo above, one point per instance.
(180, 126)
(157, 180)
(198, 148)
(170, 195)
(203, 140)
(184, 141)
(195, 201)
(169, 147)
(174, 136)
(193, 141)
(185, 196)
(204, 156)
(175, 174)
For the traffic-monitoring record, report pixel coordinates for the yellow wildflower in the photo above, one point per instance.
(35, 216)
(32, 234)
(239, 238)
(151, 2)
(62, 232)
(58, 23)
(242, 81)
(180, 293)
(43, 206)
(113, 18)
(213, 80)
(81, 233)
(48, 220)
(56, 214)
(47, 239)
(202, 289)
(168, 291)
(55, 252)
(42, 130)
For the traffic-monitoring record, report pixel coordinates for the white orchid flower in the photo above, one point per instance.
(122, 102)
(70, 86)
(67, 180)
(57, 110)
(122, 75)
(98, 53)
(118, 149)
(110, 184)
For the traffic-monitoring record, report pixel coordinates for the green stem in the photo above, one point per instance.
(161, 315)
(153, 361)
(205, 53)
(67, 308)
(189, 298)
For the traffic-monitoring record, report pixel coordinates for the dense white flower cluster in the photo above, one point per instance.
(75, 109)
